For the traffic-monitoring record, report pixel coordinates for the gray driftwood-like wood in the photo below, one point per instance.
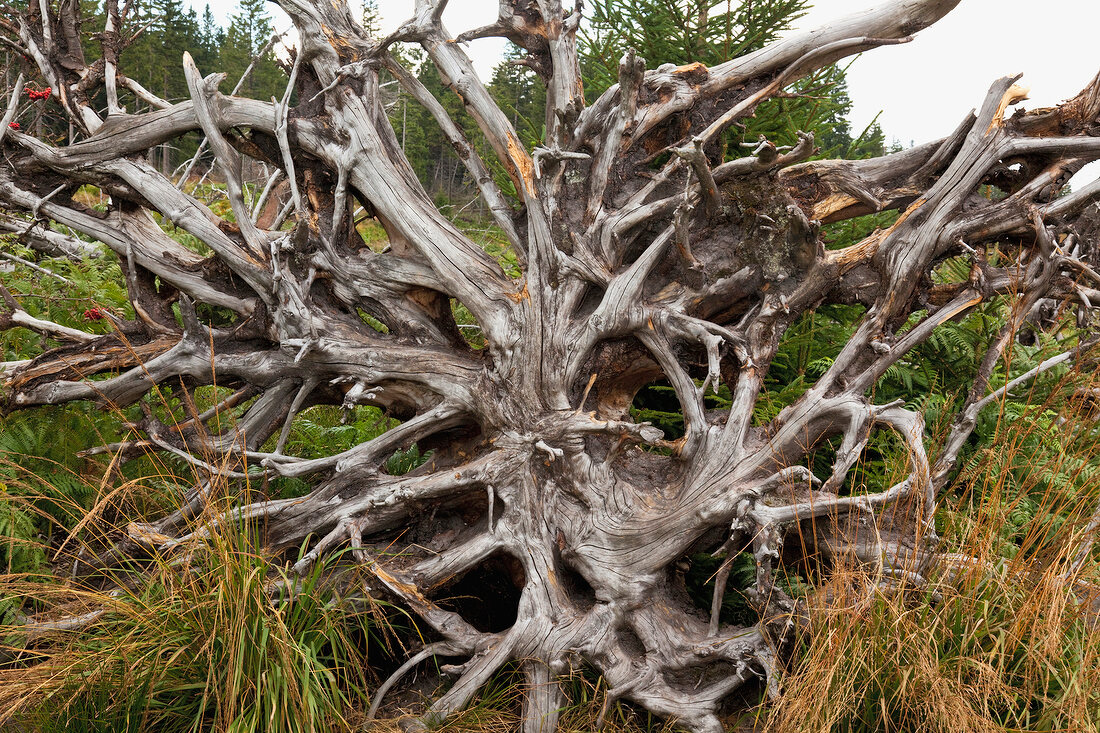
(689, 271)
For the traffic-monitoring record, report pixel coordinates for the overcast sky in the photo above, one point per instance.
(923, 88)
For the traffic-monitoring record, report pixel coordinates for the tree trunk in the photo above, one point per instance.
(644, 258)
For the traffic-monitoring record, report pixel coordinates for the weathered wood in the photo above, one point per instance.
(629, 275)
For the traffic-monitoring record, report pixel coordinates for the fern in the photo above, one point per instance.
(43, 482)
(20, 552)
(403, 461)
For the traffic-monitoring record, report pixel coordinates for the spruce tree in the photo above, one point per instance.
(247, 39)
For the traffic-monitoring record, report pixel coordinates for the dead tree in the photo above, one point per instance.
(643, 258)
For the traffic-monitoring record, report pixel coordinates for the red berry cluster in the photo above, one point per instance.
(40, 93)
(13, 125)
(94, 314)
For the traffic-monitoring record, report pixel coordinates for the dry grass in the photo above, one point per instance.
(499, 707)
(1004, 635)
(216, 636)
(999, 648)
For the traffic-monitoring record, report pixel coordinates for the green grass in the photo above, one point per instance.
(218, 637)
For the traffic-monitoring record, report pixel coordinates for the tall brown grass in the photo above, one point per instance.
(214, 634)
(1004, 633)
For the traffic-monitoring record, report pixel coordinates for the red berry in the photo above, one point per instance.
(13, 125)
(94, 314)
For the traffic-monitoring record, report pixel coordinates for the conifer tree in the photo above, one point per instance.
(246, 39)
(678, 33)
(702, 32)
(211, 38)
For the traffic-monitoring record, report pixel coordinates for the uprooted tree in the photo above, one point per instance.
(643, 258)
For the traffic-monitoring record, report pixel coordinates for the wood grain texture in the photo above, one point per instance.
(689, 271)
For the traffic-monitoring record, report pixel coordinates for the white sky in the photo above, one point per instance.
(923, 88)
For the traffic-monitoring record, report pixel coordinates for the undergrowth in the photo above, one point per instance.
(216, 636)
(1003, 635)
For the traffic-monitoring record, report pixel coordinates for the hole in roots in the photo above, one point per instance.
(576, 587)
(657, 403)
(630, 642)
(488, 595)
(691, 679)
(699, 582)
(467, 325)
(373, 322)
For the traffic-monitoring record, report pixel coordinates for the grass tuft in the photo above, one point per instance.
(217, 637)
